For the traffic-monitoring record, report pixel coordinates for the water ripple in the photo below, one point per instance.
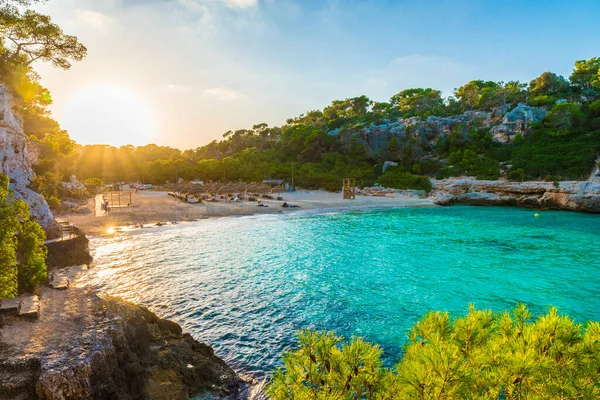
(246, 285)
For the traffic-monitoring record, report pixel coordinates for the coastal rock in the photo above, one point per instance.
(16, 160)
(444, 199)
(134, 354)
(69, 252)
(573, 196)
(483, 199)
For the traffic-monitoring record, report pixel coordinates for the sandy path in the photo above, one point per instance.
(151, 207)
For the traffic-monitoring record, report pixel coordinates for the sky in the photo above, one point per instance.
(180, 73)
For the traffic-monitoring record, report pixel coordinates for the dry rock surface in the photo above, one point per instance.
(573, 196)
(84, 346)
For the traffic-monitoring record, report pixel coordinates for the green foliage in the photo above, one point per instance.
(93, 184)
(27, 36)
(31, 252)
(550, 84)
(517, 175)
(22, 249)
(330, 144)
(563, 118)
(398, 179)
(482, 355)
(586, 76)
(418, 102)
(8, 244)
(53, 203)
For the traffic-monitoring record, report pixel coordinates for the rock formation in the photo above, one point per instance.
(504, 123)
(16, 160)
(115, 350)
(572, 196)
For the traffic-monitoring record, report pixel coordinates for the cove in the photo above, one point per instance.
(246, 285)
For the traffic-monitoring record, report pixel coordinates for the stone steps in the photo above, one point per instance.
(23, 306)
(18, 378)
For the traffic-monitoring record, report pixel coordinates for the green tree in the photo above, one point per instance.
(586, 76)
(8, 243)
(31, 251)
(549, 83)
(482, 355)
(22, 249)
(418, 102)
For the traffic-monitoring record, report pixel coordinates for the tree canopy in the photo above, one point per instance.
(22, 249)
(483, 355)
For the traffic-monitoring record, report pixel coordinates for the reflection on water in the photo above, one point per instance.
(246, 285)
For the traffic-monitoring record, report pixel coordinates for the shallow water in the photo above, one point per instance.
(246, 285)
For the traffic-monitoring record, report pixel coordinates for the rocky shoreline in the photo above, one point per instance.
(581, 196)
(102, 347)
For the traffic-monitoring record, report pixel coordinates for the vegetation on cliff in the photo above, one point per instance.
(22, 249)
(481, 355)
(27, 36)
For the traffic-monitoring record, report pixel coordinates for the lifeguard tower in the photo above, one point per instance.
(349, 188)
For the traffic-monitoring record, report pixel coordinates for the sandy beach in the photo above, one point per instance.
(152, 207)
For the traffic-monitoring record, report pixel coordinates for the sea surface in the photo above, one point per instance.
(246, 285)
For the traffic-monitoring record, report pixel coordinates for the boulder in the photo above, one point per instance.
(30, 307)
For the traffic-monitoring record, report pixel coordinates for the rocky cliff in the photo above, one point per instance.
(572, 196)
(16, 160)
(503, 122)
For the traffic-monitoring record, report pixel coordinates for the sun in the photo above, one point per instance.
(108, 115)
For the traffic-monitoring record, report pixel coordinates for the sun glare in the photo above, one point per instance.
(109, 115)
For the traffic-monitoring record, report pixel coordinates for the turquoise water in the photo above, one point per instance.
(246, 285)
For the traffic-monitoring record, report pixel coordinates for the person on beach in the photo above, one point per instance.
(106, 207)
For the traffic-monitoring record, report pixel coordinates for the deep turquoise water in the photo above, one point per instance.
(246, 285)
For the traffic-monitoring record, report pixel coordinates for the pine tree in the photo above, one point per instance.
(482, 355)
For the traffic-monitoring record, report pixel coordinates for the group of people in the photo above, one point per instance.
(284, 205)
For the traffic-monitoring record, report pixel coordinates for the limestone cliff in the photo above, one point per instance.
(16, 160)
(571, 196)
(504, 123)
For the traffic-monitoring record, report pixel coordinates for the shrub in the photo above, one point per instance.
(481, 355)
(22, 249)
(516, 175)
(394, 178)
(53, 203)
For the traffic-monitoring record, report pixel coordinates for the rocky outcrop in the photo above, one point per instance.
(573, 196)
(120, 351)
(137, 355)
(16, 160)
(68, 252)
(503, 122)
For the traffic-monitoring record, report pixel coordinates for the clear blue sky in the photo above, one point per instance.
(202, 67)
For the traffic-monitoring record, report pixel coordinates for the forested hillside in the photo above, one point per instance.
(548, 129)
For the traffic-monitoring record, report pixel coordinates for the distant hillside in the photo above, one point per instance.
(546, 129)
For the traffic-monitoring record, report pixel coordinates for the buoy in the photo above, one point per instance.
(536, 215)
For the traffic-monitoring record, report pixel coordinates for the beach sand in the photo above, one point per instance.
(152, 207)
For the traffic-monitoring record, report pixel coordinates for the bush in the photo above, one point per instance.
(22, 249)
(481, 355)
(394, 178)
(53, 203)
(516, 175)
